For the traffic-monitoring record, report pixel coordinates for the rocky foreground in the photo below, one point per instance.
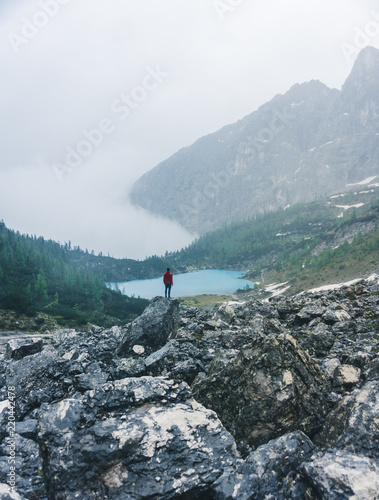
(249, 400)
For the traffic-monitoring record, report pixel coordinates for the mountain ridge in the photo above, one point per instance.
(309, 142)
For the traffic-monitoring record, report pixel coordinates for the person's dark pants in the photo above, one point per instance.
(167, 290)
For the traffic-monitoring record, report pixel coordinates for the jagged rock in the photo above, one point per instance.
(319, 343)
(6, 494)
(19, 348)
(88, 381)
(28, 468)
(27, 428)
(134, 438)
(258, 323)
(346, 376)
(129, 367)
(153, 327)
(307, 313)
(227, 313)
(371, 371)
(353, 424)
(330, 365)
(160, 354)
(179, 360)
(337, 475)
(39, 378)
(98, 432)
(265, 390)
(85, 347)
(331, 316)
(268, 472)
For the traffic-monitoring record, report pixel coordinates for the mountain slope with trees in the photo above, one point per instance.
(309, 244)
(36, 276)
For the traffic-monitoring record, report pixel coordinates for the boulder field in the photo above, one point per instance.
(275, 399)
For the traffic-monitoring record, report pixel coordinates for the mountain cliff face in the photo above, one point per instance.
(306, 143)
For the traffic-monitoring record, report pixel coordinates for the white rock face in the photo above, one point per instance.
(330, 365)
(346, 375)
(138, 349)
(344, 475)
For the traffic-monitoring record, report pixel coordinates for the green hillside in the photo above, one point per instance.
(36, 276)
(307, 244)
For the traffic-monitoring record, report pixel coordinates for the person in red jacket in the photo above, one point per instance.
(168, 281)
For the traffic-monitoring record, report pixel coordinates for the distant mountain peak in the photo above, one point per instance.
(307, 143)
(365, 69)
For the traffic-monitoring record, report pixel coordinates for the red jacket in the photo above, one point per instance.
(167, 278)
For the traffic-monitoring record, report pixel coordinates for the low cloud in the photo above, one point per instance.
(83, 116)
(85, 210)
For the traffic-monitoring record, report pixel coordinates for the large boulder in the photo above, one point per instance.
(353, 425)
(133, 439)
(337, 475)
(268, 472)
(41, 378)
(153, 328)
(74, 362)
(19, 348)
(264, 391)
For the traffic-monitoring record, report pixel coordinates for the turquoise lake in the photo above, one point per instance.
(212, 281)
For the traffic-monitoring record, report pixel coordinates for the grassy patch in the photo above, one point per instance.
(203, 301)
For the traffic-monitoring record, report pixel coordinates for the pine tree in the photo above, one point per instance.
(40, 290)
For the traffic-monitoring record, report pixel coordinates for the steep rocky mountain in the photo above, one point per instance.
(248, 400)
(307, 143)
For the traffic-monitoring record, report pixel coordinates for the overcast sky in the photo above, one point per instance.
(94, 93)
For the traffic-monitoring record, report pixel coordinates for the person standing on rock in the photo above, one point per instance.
(168, 282)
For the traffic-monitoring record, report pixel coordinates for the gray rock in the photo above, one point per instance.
(319, 344)
(227, 313)
(88, 381)
(7, 494)
(333, 316)
(353, 424)
(101, 434)
(346, 376)
(371, 371)
(153, 328)
(258, 323)
(28, 467)
(19, 348)
(268, 472)
(160, 354)
(338, 475)
(330, 364)
(306, 314)
(271, 388)
(129, 367)
(135, 439)
(38, 379)
(27, 428)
